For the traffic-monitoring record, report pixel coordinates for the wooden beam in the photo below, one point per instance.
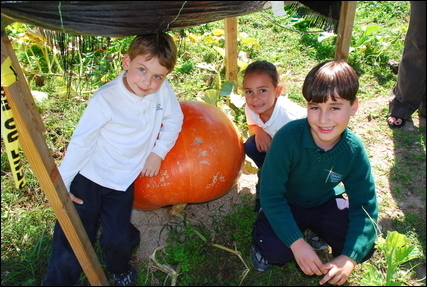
(345, 28)
(231, 49)
(18, 97)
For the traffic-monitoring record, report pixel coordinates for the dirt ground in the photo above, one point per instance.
(151, 223)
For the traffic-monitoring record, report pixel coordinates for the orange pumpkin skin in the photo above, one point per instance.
(204, 164)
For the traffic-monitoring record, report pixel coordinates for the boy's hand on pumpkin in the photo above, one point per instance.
(152, 165)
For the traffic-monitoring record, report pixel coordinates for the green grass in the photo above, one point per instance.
(27, 219)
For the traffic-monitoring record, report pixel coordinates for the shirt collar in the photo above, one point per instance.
(307, 140)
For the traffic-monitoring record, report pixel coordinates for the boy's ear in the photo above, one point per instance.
(125, 62)
(279, 90)
(354, 107)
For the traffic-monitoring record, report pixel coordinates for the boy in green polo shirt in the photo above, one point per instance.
(299, 183)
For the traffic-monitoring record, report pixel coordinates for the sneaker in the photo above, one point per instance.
(315, 241)
(126, 279)
(258, 261)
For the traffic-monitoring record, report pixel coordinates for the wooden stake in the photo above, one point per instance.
(345, 28)
(231, 49)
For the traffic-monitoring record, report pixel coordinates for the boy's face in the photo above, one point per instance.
(328, 120)
(144, 76)
(260, 93)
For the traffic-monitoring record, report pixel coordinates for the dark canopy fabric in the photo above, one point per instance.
(123, 18)
(128, 18)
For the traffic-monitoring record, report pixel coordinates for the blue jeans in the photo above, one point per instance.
(326, 220)
(105, 208)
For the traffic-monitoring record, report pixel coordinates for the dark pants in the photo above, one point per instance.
(252, 152)
(258, 157)
(326, 220)
(105, 208)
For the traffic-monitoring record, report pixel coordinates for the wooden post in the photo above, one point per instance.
(42, 163)
(231, 49)
(345, 28)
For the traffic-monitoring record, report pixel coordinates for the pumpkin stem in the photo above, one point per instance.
(177, 208)
(164, 267)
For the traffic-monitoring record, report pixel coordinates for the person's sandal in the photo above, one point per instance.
(394, 125)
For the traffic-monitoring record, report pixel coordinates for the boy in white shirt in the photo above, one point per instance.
(128, 127)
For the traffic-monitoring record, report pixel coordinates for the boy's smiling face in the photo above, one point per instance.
(328, 120)
(144, 76)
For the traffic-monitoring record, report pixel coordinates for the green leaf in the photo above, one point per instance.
(371, 29)
(250, 43)
(227, 88)
(211, 96)
(372, 277)
(368, 31)
(395, 240)
(405, 254)
(220, 51)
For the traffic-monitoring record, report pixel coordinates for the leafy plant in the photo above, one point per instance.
(397, 251)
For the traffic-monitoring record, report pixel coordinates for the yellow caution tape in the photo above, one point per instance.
(8, 74)
(10, 138)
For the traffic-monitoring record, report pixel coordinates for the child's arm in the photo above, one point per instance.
(171, 126)
(262, 138)
(83, 141)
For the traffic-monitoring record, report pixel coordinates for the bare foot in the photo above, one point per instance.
(395, 122)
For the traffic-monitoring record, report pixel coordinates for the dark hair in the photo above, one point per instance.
(160, 45)
(263, 66)
(331, 79)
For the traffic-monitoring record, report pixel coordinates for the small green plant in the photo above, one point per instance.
(397, 251)
(189, 252)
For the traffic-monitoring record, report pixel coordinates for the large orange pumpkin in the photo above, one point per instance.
(204, 164)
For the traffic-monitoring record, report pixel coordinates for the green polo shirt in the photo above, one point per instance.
(296, 170)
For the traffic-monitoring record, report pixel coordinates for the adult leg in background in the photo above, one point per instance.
(409, 94)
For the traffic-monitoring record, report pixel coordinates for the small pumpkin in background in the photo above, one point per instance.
(204, 164)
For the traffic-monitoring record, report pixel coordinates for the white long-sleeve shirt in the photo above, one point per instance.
(284, 111)
(117, 132)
